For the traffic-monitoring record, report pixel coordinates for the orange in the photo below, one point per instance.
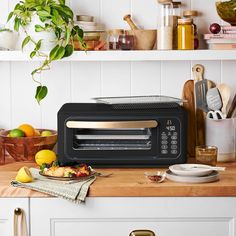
(27, 129)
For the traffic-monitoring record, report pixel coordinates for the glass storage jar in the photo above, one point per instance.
(165, 27)
(176, 13)
(113, 38)
(126, 41)
(185, 34)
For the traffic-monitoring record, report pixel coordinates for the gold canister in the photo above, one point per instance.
(185, 34)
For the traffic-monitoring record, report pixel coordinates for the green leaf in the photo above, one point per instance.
(17, 24)
(38, 45)
(68, 50)
(25, 41)
(67, 35)
(32, 54)
(62, 2)
(39, 28)
(10, 16)
(53, 52)
(79, 31)
(43, 14)
(41, 93)
(60, 53)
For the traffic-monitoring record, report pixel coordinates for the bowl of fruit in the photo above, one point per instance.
(24, 142)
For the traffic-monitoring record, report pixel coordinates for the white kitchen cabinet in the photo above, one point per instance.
(7, 207)
(179, 216)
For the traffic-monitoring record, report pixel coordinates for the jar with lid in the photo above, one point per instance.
(165, 26)
(192, 14)
(126, 41)
(113, 38)
(176, 14)
(185, 34)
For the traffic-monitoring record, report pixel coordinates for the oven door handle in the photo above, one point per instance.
(141, 124)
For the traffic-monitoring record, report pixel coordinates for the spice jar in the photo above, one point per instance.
(126, 41)
(165, 28)
(113, 39)
(185, 34)
(191, 14)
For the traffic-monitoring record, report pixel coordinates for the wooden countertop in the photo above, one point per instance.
(130, 183)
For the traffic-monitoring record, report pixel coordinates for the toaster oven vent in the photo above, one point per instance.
(112, 139)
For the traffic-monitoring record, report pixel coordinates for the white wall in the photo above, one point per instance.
(80, 81)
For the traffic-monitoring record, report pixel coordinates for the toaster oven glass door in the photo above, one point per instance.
(112, 135)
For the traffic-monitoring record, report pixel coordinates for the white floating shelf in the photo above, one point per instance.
(153, 55)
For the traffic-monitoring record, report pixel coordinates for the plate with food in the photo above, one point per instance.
(66, 173)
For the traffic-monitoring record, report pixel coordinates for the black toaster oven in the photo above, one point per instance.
(99, 135)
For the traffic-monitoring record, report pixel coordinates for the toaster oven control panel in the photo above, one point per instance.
(169, 137)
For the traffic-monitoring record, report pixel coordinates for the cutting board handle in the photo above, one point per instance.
(198, 71)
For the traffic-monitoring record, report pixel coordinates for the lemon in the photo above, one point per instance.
(15, 133)
(45, 156)
(24, 175)
(46, 133)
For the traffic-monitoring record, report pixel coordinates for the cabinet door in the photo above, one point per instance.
(7, 207)
(120, 216)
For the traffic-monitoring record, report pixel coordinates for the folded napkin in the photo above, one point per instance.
(71, 190)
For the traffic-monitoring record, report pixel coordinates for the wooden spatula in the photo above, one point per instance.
(189, 105)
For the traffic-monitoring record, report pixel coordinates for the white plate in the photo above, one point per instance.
(212, 177)
(190, 169)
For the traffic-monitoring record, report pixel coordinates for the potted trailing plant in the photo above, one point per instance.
(53, 17)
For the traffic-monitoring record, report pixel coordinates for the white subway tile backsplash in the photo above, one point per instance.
(80, 81)
(5, 95)
(23, 105)
(145, 78)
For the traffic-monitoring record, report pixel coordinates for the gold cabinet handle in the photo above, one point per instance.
(142, 232)
(20, 227)
(141, 124)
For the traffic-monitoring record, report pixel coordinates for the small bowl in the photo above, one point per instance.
(227, 11)
(145, 39)
(156, 177)
(25, 148)
(84, 18)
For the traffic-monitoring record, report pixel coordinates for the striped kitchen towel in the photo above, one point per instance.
(75, 191)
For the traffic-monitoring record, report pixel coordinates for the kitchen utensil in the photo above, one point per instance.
(193, 169)
(214, 101)
(225, 96)
(188, 95)
(156, 177)
(232, 108)
(215, 115)
(128, 19)
(145, 39)
(200, 103)
(212, 177)
(201, 87)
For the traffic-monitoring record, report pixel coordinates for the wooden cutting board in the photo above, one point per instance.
(189, 105)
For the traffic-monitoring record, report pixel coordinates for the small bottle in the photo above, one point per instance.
(113, 38)
(165, 28)
(185, 34)
(191, 14)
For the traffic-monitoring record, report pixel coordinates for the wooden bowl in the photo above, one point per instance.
(144, 39)
(25, 148)
(227, 11)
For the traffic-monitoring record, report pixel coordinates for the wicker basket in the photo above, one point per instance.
(25, 148)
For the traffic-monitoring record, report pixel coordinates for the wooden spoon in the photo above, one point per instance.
(225, 96)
